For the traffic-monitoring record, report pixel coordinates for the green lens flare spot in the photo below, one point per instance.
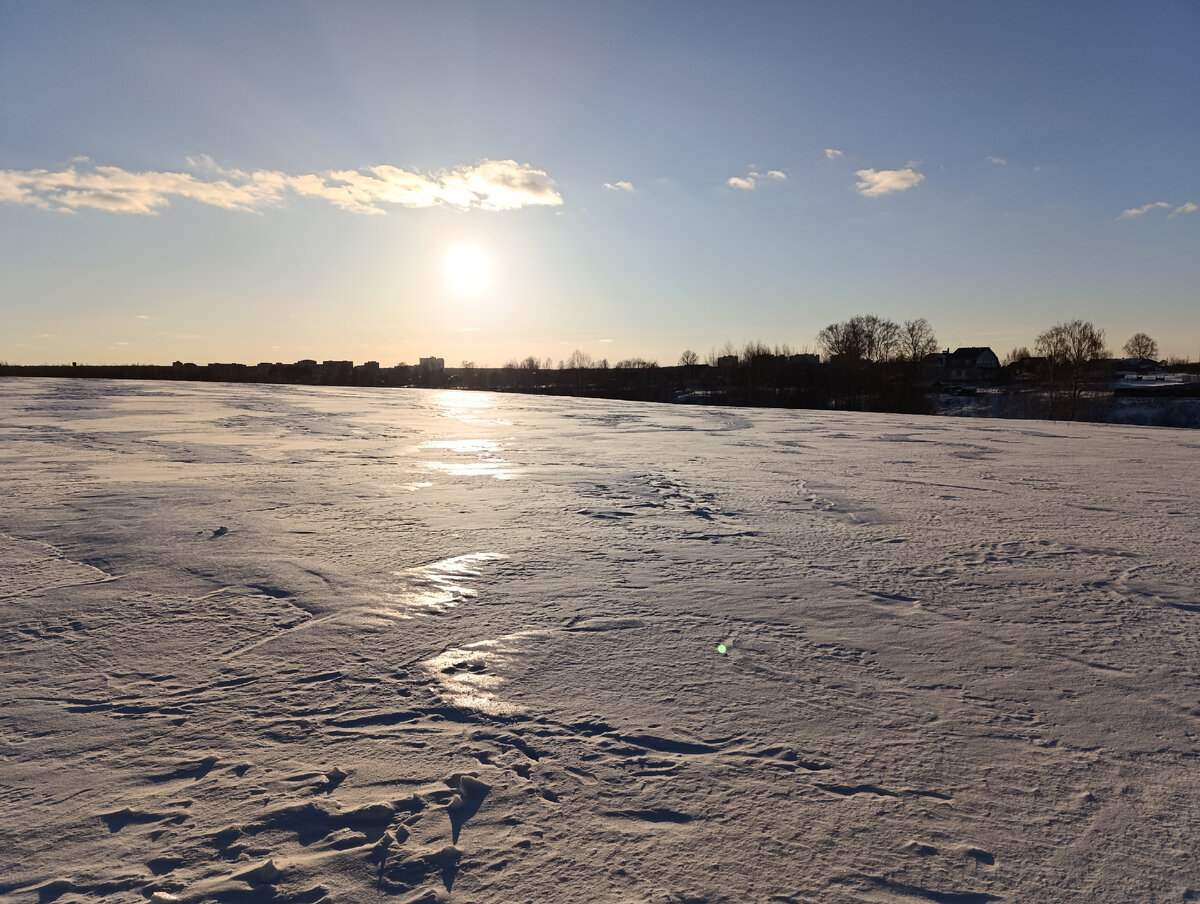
(722, 649)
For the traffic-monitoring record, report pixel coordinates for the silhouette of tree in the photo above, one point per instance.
(1072, 351)
(754, 350)
(724, 352)
(843, 341)
(1141, 346)
(579, 360)
(862, 337)
(688, 358)
(917, 340)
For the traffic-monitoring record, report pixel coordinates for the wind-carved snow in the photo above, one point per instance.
(441, 585)
(33, 567)
(468, 676)
(299, 644)
(424, 590)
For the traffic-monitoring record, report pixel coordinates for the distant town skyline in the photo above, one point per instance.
(390, 181)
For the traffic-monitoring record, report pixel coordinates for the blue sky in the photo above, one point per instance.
(274, 181)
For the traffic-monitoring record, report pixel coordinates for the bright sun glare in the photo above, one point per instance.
(468, 269)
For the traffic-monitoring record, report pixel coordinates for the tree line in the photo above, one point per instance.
(866, 362)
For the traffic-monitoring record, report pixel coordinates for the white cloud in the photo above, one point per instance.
(13, 192)
(1189, 207)
(1145, 208)
(999, 161)
(749, 182)
(619, 186)
(832, 153)
(875, 183)
(488, 185)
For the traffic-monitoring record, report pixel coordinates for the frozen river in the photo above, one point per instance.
(300, 644)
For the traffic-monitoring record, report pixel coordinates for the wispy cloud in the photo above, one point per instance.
(832, 153)
(1185, 208)
(619, 186)
(1144, 209)
(874, 183)
(487, 185)
(749, 182)
(999, 161)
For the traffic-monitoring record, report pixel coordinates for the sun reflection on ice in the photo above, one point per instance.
(467, 676)
(442, 585)
(468, 407)
(414, 487)
(479, 458)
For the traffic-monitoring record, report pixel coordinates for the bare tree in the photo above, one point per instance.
(688, 358)
(580, 360)
(530, 363)
(1020, 353)
(1141, 346)
(754, 350)
(863, 336)
(1074, 343)
(917, 340)
(716, 355)
(883, 338)
(1072, 351)
(842, 340)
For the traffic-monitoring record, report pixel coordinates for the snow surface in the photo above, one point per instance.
(300, 644)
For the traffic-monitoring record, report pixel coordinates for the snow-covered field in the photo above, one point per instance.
(299, 644)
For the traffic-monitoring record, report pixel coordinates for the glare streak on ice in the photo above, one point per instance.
(301, 644)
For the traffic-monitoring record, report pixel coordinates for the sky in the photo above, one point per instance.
(274, 181)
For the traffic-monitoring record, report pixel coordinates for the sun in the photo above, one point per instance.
(468, 269)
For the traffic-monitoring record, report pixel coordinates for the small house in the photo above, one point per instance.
(963, 365)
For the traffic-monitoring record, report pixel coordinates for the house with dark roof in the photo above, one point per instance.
(963, 365)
